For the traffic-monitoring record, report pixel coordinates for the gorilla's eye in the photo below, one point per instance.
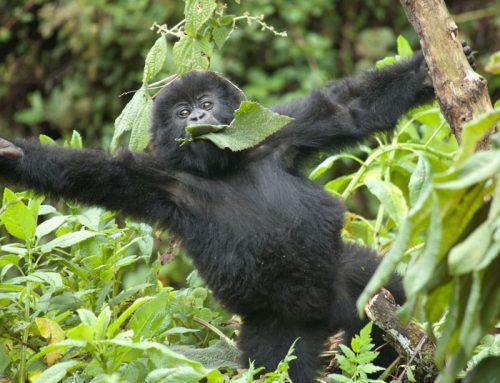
(207, 105)
(184, 113)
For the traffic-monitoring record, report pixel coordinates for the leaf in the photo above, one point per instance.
(215, 376)
(140, 135)
(467, 256)
(328, 163)
(9, 259)
(386, 268)
(81, 332)
(174, 375)
(198, 130)
(486, 370)
(50, 225)
(475, 169)
(151, 318)
(387, 61)
(420, 179)
(391, 198)
(115, 325)
(251, 125)
(475, 130)
(220, 354)
(190, 54)
(471, 331)
(46, 140)
(220, 36)
(76, 140)
(102, 323)
(423, 268)
(63, 345)
(155, 59)
(18, 219)
(172, 357)
(404, 48)
(67, 240)
(50, 278)
(56, 373)
(4, 357)
(87, 317)
(51, 331)
(133, 118)
(197, 12)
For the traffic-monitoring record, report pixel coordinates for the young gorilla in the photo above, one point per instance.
(266, 239)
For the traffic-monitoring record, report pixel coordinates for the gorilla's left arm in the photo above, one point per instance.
(348, 110)
(129, 182)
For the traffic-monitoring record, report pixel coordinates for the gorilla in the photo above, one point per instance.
(266, 240)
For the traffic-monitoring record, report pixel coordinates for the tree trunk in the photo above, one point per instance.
(462, 93)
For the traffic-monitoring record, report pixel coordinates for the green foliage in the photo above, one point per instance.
(79, 293)
(192, 51)
(252, 124)
(455, 250)
(356, 362)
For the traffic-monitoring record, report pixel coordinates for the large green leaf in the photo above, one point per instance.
(251, 125)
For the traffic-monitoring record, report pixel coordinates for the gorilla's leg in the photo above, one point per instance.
(358, 264)
(266, 340)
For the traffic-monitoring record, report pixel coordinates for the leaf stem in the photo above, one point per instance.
(381, 151)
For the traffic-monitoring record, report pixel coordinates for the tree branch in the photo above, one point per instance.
(410, 341)
(462, 93)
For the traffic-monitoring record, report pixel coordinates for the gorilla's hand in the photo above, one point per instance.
(468, 53)
(9, 151)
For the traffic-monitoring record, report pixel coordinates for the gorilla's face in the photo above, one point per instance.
(198, 97)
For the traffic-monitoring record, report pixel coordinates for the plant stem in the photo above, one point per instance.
(379, 152)
(27, 317)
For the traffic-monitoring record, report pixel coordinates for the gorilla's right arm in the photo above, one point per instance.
(130, 182)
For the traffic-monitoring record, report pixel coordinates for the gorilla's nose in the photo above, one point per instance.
(198, 116)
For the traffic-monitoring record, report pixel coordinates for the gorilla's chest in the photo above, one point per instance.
(260, 213)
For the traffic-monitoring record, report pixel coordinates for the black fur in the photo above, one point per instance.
(266, 239)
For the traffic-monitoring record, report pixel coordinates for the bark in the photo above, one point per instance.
(411, 342)
(462, 93)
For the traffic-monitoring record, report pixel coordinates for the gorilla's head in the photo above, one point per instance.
(198, 97)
